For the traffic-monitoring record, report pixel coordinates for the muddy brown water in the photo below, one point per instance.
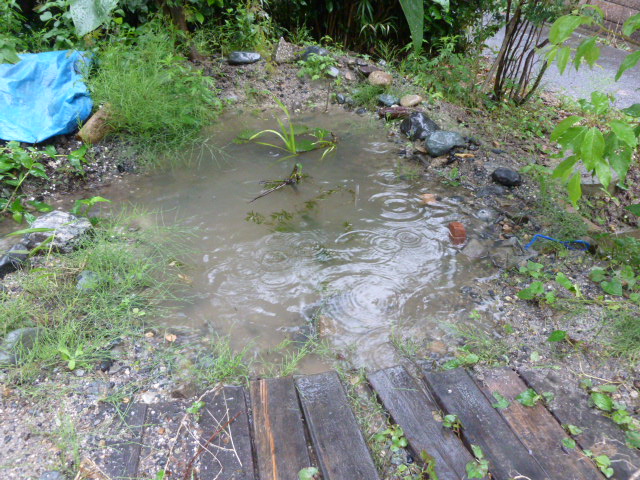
(353, 256)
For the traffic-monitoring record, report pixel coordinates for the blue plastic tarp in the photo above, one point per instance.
(43, 95)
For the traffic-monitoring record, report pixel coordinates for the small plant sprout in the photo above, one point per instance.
(452, 422)
(501, 401)
(529, 398)
(71, 358)
(309, 473)
(478, 468)
(195, 409)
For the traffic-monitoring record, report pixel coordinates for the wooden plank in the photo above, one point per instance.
(413, 410)
(458, 394)
(163, 433)
(600, 434)
(226, 436)
(281, 446)
(538, 430)
(122, 463)
(338, 442)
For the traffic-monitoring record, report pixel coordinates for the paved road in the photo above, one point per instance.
(580, 84)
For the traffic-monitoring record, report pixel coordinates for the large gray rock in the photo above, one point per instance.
(285, 52)
(388, 100)
(418, 126)
(67, 230)
(16, 341)
(442, 142)
(314, 50)
(15, 257)
(243, 58)
(506, 177)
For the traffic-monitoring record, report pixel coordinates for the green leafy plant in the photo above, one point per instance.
(72, 359)
(316, 66)
(83, 206)
(308, 473)
(602, 142)
(501, 401)
(464, 359)
(603, 462)
(452, 422)
(529, 398)
(196, 408)
(478, 468)
(395, 435)
(290, 134)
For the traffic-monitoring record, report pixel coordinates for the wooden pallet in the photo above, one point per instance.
(279, 426)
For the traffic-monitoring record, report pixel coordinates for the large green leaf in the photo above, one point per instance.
(633, 110)
(631, 25)
(574, 188)
(624, 132)
(563, 126)
(565, 168)
(592, 148)
(630, 61)
(87, 15)
(414, 13)
(619, 156)
(635, 209)
(564, 54)
(564, 27)
(587, 50)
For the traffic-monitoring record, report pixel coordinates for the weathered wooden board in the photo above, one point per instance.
(413, 410)
(538, 430)
(122, 463)
(162, 432)
(600, 434)
(226, 436)
(458, 394)
(339, 445)
(281, 446)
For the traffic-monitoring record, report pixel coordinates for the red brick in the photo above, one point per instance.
(458, 233)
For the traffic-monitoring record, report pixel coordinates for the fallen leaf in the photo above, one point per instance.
(149, 334)
(464, 155)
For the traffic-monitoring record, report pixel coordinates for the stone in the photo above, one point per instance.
(341, 99)
(418, 126)
(285, 52)
(388, 100)
(67, 230)
(475, 249)
(411, 100)
(509, 254)
(380, 79)
(243, 58)
(506, 177)
(391, 113)
(367, 70)
(491, 190)
(361, 111)
(98, 388)
(442, 142)
(13, 259)
(52, 475)
(87, 281)
(333, 72)
(458, 233)
(16, 341)
(349, 76)
(487, 214)
(314, 49)
(428, 198)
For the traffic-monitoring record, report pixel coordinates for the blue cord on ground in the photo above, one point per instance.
(570, 244)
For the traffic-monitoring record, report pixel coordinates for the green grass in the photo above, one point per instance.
(157, 100)
(136, 273)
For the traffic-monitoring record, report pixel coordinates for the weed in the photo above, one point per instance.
(132, 271)
(529, 398)
(478, 468)
(223, 364)
(479, 346)
(195, 409)
(395, 435)
(316, 66)
(290, 134)
(156, 99)
(452, 422)
(367, 95)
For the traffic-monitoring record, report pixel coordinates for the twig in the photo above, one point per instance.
(175, 438)
(203, 447)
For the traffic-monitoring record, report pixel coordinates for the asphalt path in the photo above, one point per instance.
(580, 84)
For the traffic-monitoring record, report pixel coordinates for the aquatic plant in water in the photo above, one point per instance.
(292, 138)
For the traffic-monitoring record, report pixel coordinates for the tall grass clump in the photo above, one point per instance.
(131, 278)
(156, 99)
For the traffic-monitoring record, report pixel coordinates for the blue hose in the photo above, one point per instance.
(570, 244)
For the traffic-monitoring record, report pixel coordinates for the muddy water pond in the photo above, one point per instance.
(351, 254)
